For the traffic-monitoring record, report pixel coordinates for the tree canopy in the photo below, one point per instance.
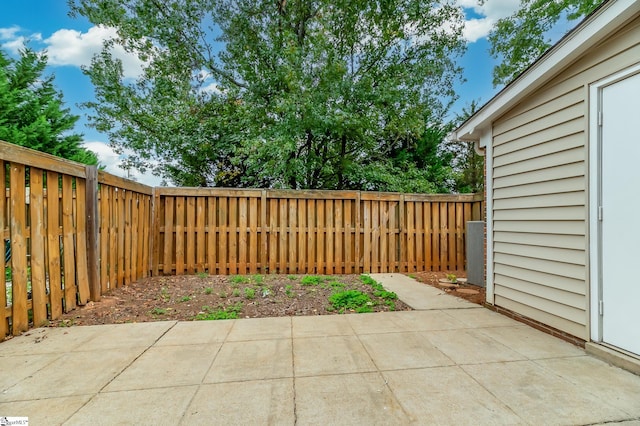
(518, 40)
(299, 94)
(32, 112)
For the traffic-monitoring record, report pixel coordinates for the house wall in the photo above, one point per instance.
(540, 191)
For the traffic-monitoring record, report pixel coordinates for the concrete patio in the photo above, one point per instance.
(448, 362)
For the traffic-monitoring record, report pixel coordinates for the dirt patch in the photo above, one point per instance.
(468, 292)
(192, 297)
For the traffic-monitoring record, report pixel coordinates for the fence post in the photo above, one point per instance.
(402, 264)
(154, 234)
(263, 229)
(356, 261)
(93, 256)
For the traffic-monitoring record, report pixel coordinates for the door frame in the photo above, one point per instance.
(595, 196)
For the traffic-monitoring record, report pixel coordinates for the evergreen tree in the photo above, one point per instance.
(32, 112)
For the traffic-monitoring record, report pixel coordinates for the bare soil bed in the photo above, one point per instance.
(204, 297)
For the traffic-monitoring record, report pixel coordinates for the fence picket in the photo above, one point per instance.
(38, 279)
(68, 231)
(243, 266)
(81, 243)
(180, 236)
(19, 300)
(4, 312)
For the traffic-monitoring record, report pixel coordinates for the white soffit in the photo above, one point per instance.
(605, 20)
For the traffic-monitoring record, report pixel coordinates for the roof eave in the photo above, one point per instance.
(605, 20)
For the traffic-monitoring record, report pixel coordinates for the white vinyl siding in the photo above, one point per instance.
(539, 181)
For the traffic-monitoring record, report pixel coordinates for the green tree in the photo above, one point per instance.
(468, 165)
(308, 93)
(31, 110)
(521, 38)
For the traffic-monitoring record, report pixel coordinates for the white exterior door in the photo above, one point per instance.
(620, 214)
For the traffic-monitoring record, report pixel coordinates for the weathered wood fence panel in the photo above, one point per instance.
(246, 231)
(71, 233)
(51, 258)
(124, 222)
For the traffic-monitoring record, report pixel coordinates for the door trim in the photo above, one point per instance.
(595, 196)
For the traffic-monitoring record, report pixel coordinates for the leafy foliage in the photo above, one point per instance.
(468, 165)
(351, 300)
(31, 110)
(298, 94)
(522, 37)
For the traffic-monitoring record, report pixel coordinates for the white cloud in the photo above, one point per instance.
(490, 12)
(71, 47)
(475, 29)
(15, 45)
(112, 160)
(9, 33)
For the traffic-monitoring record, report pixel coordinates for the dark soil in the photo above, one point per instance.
(433, 279)
(190, 297)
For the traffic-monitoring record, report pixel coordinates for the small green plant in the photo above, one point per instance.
(288, 290)
(208, 290)
(351, 300)
(453, 278)
(292, 277)
(257, 279)
(164, 294)
(158, 311)
(185, 298)
(66, 323)
(412, 276)
(384, 294)
(311, 280)
(223, 294)
(337, 284)
(249, 293)
(219, 313)
(236, 292)
(203, 274)
(239, 279)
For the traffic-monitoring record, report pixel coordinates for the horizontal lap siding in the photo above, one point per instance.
(539, 194)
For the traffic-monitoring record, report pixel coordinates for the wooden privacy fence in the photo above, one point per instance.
(49, 216)
(245, 231)
(74, 232)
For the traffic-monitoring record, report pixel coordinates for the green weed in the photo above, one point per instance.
(288, 290)
(164, 294)
(384, 294)
(203, 274)
(351, 300)
(208, 290)
(239, 279)
(236, 292)
(220, 313)
(311, 280)
(292, 277)
(158, 311)
(249, 293)
(185, 298)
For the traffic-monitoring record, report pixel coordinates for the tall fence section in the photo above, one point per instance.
(300, 232)
(72, 233)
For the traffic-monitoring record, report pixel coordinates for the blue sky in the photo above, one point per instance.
(71, 42)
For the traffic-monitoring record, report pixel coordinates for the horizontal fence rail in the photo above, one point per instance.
(223, 231)
(72, 233)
